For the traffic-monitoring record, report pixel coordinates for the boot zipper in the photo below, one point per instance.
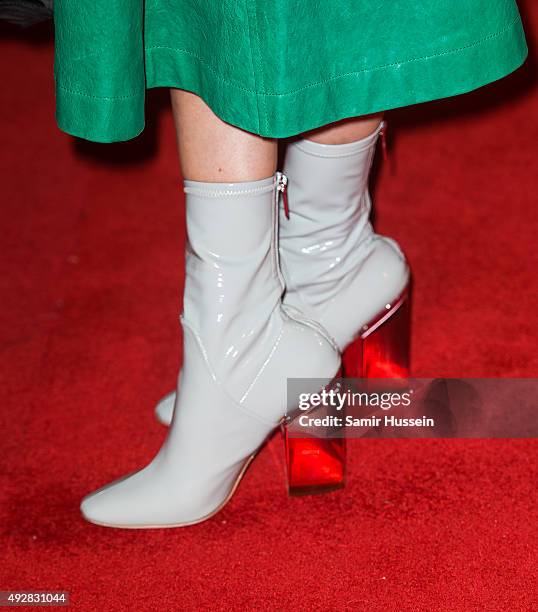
(282, 186)
(383, 134)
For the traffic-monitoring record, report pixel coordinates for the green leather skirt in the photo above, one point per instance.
(274, 67)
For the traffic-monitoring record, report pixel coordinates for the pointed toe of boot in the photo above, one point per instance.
(94, 508)
(99, 508)
(116, 504)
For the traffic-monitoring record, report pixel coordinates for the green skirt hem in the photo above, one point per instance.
(99, 119)
(281, 115)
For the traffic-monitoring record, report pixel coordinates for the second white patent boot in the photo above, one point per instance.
(240, 345)
(337, 270)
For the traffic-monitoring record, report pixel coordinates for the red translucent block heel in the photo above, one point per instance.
(314, 465)
(318, 464)
(382, 348)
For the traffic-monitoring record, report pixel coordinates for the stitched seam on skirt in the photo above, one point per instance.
(81, 93)
(345, 74)
(252, 60)
(409, 61)
(209, 66)
(260, 70)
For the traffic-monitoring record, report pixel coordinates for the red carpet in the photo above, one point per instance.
(91, 271)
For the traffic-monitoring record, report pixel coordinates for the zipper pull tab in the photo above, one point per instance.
(383, 134)
(282, 186)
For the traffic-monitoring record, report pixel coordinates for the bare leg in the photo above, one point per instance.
(347, 130)
(213, 151)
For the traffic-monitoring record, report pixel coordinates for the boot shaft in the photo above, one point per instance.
(328, 232)
(232, 282)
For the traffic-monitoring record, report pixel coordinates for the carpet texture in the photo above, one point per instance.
(91, 272)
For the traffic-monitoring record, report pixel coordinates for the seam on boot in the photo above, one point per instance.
(188, 327)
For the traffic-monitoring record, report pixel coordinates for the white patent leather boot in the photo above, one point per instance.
(337, 270)
(240, 345)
